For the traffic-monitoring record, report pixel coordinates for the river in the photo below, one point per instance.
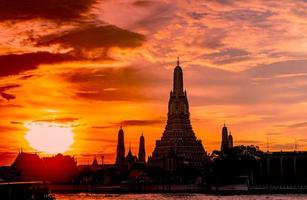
(177, 196)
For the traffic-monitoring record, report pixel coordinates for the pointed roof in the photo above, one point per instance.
(129, 156)
(129, 152)
(95, 162)
(178, 80)
(224, 129)
(121, 130)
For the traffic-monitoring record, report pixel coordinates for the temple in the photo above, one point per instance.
(125, 162)
(178, 146)
(120, 154)
(142, 154)
(227, 139)
(225, 143)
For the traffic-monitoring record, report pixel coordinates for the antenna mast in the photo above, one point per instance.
(267, 143)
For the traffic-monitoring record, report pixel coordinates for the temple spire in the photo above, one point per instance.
(142, 149)
(178, 146)
(178, 80)
(120, 154)
(225, 142)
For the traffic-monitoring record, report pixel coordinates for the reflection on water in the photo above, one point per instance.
(177, 196)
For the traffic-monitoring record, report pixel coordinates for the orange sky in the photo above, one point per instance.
(91, 65)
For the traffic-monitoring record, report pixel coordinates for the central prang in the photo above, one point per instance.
(178, 147)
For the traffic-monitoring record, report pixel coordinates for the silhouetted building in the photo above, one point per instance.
(230, 141)
(29, 165)
(170, 161)
(142, 153)
(130, 159)
(225, 143)
(234, 165)
(95, 163)
(178, 135)
(120, 155)
(281, 168)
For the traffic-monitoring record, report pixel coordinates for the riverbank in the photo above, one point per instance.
(180, 188)
(174, 196)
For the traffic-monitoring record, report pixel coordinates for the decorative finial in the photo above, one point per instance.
(177, 60)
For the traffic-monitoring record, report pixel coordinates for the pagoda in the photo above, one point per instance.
(178, 145)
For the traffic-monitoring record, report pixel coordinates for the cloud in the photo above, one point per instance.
(13, 64)
(95, 84)
(156, 15)
(295, 125)
(197, 15)
(277, 69)
(96, 139)
(7, 87)
(247, 142)
(89, 37)
(85, 43)
(298, 125)
(255, 17)
(213, 38)
(229, 55)
(132, 122)
(223, 2)
(59, 120)
(140, 122)
(273, 133)
(16, 122)
(26, 77)
(6, 95)
(276, 83)
(5, 128)
(57, 10)
(143, 3)
(103, 127)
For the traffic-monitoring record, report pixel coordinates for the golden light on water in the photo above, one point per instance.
(49, 138)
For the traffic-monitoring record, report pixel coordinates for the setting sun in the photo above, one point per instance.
(49, 137)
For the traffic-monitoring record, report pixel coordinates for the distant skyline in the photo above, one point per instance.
(83, 68)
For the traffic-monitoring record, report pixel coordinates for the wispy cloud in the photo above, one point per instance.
(59, 10)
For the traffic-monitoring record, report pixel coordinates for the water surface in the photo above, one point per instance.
(84, 196)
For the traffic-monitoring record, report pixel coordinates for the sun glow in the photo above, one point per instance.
(49, 137)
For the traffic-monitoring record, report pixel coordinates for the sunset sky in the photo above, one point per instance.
(84, 67)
